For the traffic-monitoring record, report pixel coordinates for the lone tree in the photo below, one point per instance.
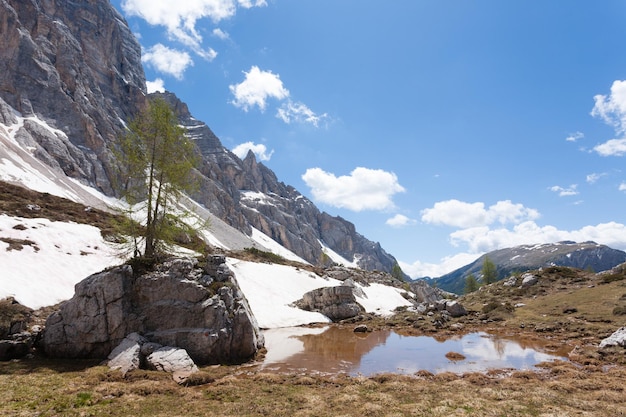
(156, 162)
(489, 271)
(471, 284)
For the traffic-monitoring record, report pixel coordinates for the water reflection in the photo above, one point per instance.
(333, 350)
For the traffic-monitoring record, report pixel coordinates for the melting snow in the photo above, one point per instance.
(62, 254)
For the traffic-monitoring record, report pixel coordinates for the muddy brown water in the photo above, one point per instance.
(333, 350)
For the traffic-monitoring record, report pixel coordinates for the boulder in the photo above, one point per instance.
(169, 306)
(170, 359)
(425, 293)
(455, 309)
(336, 303)
(618, 338)
(127, 355)
(528, 280)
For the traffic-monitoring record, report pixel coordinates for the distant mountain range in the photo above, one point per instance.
(587, 255)
(71, 77)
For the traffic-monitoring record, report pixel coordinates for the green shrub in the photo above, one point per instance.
(268, 256)
(607, 279)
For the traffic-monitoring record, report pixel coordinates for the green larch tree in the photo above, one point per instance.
(156, 162)
(489, 271)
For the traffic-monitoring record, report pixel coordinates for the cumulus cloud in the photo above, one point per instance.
(259, 150)
(260, 86)
(461, 214)
(622, 186)
(483, 239)
(613, 147)
(573, 137)
(565, 191)
(299, 112)
(257, 88)
(612, 110)
(363, 189)
(400, 220)
(156, 85)
(166, 60)
(180, 18)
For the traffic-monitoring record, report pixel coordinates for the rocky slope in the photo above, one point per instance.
(71, 76)
(587, 255)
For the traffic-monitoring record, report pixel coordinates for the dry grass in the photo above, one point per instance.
(38, 387)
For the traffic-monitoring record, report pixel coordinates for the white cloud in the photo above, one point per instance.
(257, 88)
(156, 85)
(565, 192)
(249, 3)
(483, 239)
(613, 147)
(594, 177)
(573, 137)
(299, 112)
(612, 109)
(400, 220)
(166, 60)
(448, 264)
(363, 189)
(622, 186)
(219, 33)
(259, 150)
(465, 215)
(179, 18)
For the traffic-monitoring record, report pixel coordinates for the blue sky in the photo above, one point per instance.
(441, 129)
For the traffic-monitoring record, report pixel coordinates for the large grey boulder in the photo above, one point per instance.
(336, 303)
(425, 293)
(127, 355)
(169, 306)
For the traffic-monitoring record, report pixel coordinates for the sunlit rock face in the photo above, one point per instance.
(76, 66)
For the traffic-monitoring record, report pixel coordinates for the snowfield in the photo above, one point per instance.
(61, 254)
(270, 289)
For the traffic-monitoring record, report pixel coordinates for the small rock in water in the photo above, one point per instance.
(361, 328)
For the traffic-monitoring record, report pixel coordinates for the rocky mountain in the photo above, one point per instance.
(71, 77)
(587, 255)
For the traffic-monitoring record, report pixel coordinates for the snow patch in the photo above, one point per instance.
(62, 255)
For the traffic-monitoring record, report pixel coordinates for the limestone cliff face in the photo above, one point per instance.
(71, 77)
(77, 67)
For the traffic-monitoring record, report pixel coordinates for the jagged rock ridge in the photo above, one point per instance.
(76, 68)
(587, 255)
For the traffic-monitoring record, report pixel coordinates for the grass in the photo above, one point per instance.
(37, 387)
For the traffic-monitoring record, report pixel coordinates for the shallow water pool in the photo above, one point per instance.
(332, 350)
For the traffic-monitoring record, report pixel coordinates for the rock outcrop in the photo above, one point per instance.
(76, 67)
(17, 335)
(336, 303)
(178, 304)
